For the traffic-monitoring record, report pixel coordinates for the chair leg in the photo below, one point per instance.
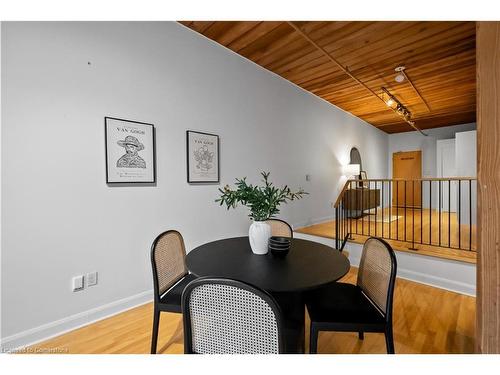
(361, 335)
(389, 340)
(156, 326)
(313, 340)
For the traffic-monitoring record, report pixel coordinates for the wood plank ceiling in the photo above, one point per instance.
(440, 60)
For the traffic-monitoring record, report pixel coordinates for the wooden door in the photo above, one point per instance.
(407, 166)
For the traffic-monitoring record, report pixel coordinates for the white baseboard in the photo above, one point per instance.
(446, 274)
(409, 267)
(314, 221)
(438, 282)
(70, 323)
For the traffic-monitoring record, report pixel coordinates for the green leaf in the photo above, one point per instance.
(263, 201)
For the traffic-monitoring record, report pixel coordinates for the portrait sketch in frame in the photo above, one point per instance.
(130, 151)
(202, 157)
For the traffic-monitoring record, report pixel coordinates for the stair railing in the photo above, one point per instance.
(437, 212)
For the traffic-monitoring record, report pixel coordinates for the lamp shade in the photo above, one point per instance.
(351, 170)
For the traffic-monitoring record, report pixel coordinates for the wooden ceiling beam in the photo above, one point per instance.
(345, 70)
(416, 90)
(332, 59)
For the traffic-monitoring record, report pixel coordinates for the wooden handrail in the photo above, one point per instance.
(416, 179)
(348, 182)
(341, 195)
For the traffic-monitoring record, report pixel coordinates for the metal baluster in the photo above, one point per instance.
(375, 204)
(459, 214)
(397, 209)
(449, 213)
(375, 197)
(336, 228)
(340, 224)
(344, 220)
(350, 214)
(344, 213)
(362, 217)
(421, 211)
(413, 215)
(430, 212)
(356, 206)
(405, 211)
(390, 209)
(383, 208)
(370, 214)
(344, 229)
(439, 226)
(369, 205)
(470, 215)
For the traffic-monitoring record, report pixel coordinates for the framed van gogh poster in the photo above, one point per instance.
(130, 151)
(202, 157)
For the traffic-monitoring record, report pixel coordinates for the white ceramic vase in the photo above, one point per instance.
(259, 234)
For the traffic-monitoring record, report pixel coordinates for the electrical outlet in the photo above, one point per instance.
(78, 283)
(308, 177)
(92, 279)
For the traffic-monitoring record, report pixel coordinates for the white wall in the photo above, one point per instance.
(459, 277)
(59, 218)
(446, 167)
(466, 155)
(412, 141)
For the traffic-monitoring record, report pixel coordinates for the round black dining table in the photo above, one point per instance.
(308, 265)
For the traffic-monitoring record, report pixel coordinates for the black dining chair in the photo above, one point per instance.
(224, 316)
(280, 228)
(170, 277)
(364, 307)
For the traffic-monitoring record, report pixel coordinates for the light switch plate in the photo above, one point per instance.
(92, 278)
(78, 283)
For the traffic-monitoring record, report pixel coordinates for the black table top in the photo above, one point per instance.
(308, 265)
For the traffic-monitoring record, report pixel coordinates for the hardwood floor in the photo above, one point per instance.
(435, 237)
(426, 320)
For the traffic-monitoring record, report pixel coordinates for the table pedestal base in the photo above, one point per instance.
(293, 309)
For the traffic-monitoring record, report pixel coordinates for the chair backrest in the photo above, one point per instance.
(168, 260)
(377, 274)
(223, 316)
(280, 228)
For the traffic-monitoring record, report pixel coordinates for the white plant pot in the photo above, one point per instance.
(259, 233)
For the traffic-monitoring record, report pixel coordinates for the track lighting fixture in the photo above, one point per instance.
(397, 106)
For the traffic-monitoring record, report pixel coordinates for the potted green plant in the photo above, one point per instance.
(263, 202)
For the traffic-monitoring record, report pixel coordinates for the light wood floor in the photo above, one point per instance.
(426, 229)
(426, 320)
